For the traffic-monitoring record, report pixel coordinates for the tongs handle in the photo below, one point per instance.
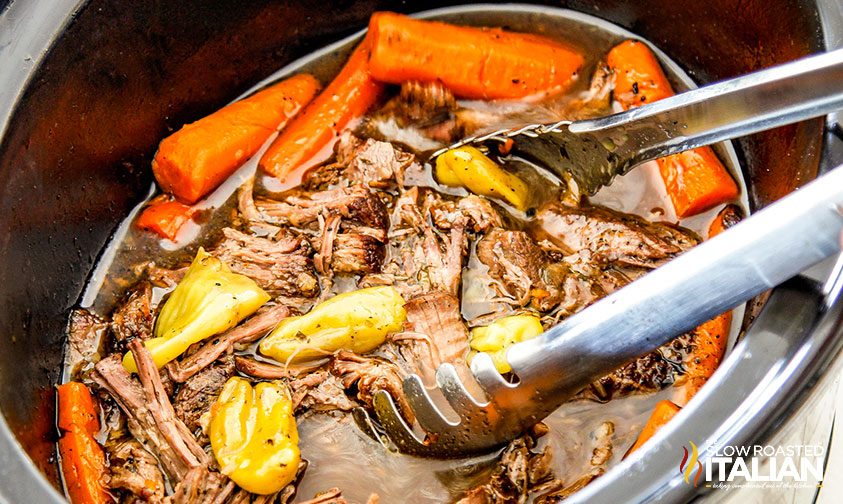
(757, 254)
(762, 100)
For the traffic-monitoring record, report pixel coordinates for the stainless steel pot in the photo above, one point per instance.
(88, 88)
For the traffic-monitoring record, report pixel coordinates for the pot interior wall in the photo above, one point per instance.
(75, 157)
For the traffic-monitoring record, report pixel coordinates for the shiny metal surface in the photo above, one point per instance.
(761, 252)
(594, 151)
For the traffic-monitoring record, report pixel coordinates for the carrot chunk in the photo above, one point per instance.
(726, 218)
(193, 161)
(662, 413)
(82, 459)
(82, 465)
(308, 139)
(695, 180)
(164, 217)
(76, 408)
(475, 63)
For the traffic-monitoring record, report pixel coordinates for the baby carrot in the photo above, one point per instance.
(306, 140)
(695, 180)
(662, 413)
(164, 217)
(196, 159)
(82, 459)
(475, 63)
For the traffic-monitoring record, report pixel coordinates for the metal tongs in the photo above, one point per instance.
(761, 252)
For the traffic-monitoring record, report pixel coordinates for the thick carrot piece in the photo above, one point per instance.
(696, 180)
(83, 466)
(709, 346)
(662, 413)
(164, 217)
(76, 408)
(475, 63)
(308, 137)
(82, 458)
(710, 338)
(193, 161)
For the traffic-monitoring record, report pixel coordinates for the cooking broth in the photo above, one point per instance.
(338, 452)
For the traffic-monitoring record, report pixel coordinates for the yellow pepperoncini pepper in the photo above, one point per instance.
(253, 435)
(358, 321)
(468, 167)
(210, 299)
(497, 337)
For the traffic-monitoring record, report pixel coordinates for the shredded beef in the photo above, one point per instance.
(319, 391)
(518, 472)
(150, 415)
(197, 394)
(133, 317)
(649, 373)
(369, 375)
(356, 203)
(267, 371)
(527, 275)
(357, 253)
(280, 267)
(371, 161)
(84, 337)
(429, 107)
(420, 257)
(609, 237)
(437, 315)
(480, 214)
(252, 329)
(134, 470)
(331, 496)
(201, 486)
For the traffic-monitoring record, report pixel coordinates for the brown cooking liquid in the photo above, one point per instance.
(338, 452)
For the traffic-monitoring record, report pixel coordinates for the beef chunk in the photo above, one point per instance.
(135, 471)
(437, 315)
(197, 394)
(84, 337)
(371, 161)
(648, 373)
(525, 273)
(356, 203)
(369, 375)
(351, 252)
(421, 104)
(519, 471)
(133, 317)
(320, 391)
(430, 108)
(281, 267)
(608, 237)
(479, 212)
(357, 254)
